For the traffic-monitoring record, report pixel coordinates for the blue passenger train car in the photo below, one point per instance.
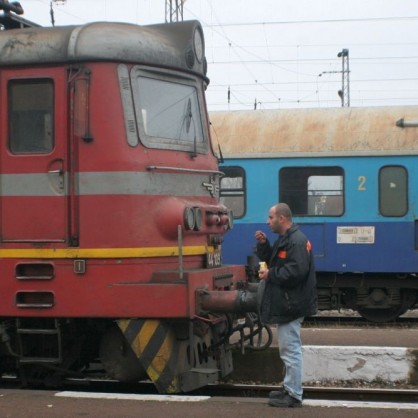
(350, 176)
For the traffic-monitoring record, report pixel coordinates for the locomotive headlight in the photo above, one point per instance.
(189, 218)
(213, 219)
(197, 218)
(198, 44)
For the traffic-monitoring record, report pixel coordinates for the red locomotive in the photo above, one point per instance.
(111, 224)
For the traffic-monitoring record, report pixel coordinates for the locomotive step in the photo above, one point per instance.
(37, 331)
(39, 360)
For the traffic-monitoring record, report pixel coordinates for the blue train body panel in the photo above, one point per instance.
(385, 243)
(393, 252)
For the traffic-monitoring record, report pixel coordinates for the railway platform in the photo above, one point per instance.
(347, 354)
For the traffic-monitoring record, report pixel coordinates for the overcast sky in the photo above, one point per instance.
(283, 53)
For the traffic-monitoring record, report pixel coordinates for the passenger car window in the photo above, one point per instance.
(31, 116)
(232, 191)
(393, 191)
(313, 191)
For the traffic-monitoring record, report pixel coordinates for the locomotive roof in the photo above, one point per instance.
(164, 45)
(324, 132)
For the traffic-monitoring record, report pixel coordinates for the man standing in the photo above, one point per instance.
(289, 296)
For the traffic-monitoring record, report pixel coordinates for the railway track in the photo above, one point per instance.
(319, 321)
(234, 390)
(323, 393)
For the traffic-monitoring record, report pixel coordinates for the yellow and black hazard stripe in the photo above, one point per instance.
(155, 346)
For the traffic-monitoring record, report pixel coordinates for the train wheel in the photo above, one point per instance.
(406, 300)
(382, 315)
(118, 358)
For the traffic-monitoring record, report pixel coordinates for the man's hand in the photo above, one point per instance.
(261, 237)
(263, 274)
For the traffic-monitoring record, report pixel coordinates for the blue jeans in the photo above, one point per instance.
(290, 348)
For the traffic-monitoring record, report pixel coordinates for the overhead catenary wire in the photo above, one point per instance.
(279, 63)
(299, 62)
(316, 21)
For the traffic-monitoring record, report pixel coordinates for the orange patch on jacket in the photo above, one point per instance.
(282, 254)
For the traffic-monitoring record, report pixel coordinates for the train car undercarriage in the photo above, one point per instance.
(177, 355)
(377, 298)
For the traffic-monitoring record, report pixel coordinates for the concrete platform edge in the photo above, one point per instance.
(389, 364)
(332, 363)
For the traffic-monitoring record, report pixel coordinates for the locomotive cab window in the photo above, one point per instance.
(233, 190)
(31, 116)
(169, 111)
(393, 191)
(313, 191)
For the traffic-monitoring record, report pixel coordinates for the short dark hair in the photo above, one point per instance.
(283, 209)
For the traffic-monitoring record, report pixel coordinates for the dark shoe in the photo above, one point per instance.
(286, 401)
(277, 394)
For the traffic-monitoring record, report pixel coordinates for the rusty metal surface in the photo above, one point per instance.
(331, 131)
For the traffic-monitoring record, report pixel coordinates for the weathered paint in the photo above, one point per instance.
(333, 131)
(160, 45)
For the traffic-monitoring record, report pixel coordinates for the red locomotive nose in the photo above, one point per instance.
(193, 217)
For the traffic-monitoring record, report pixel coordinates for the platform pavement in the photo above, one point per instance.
(51, 404)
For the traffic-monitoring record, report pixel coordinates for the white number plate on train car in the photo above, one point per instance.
(355, 235)
(213, 259)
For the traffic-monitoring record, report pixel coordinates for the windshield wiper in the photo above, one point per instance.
(189, 119)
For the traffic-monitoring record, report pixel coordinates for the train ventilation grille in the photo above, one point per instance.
(34, 271)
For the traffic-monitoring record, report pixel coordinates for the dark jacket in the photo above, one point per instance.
(290, 291)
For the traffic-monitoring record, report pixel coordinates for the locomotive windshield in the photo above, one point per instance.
(169, 110)
(169, 113)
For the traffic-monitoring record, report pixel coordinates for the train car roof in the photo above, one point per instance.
(322, 132)
(167, 45)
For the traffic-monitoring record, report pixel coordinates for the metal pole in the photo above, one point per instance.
(180, 245)
(345, 78)
(173, 10)
(348, 80)
(342, 82)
